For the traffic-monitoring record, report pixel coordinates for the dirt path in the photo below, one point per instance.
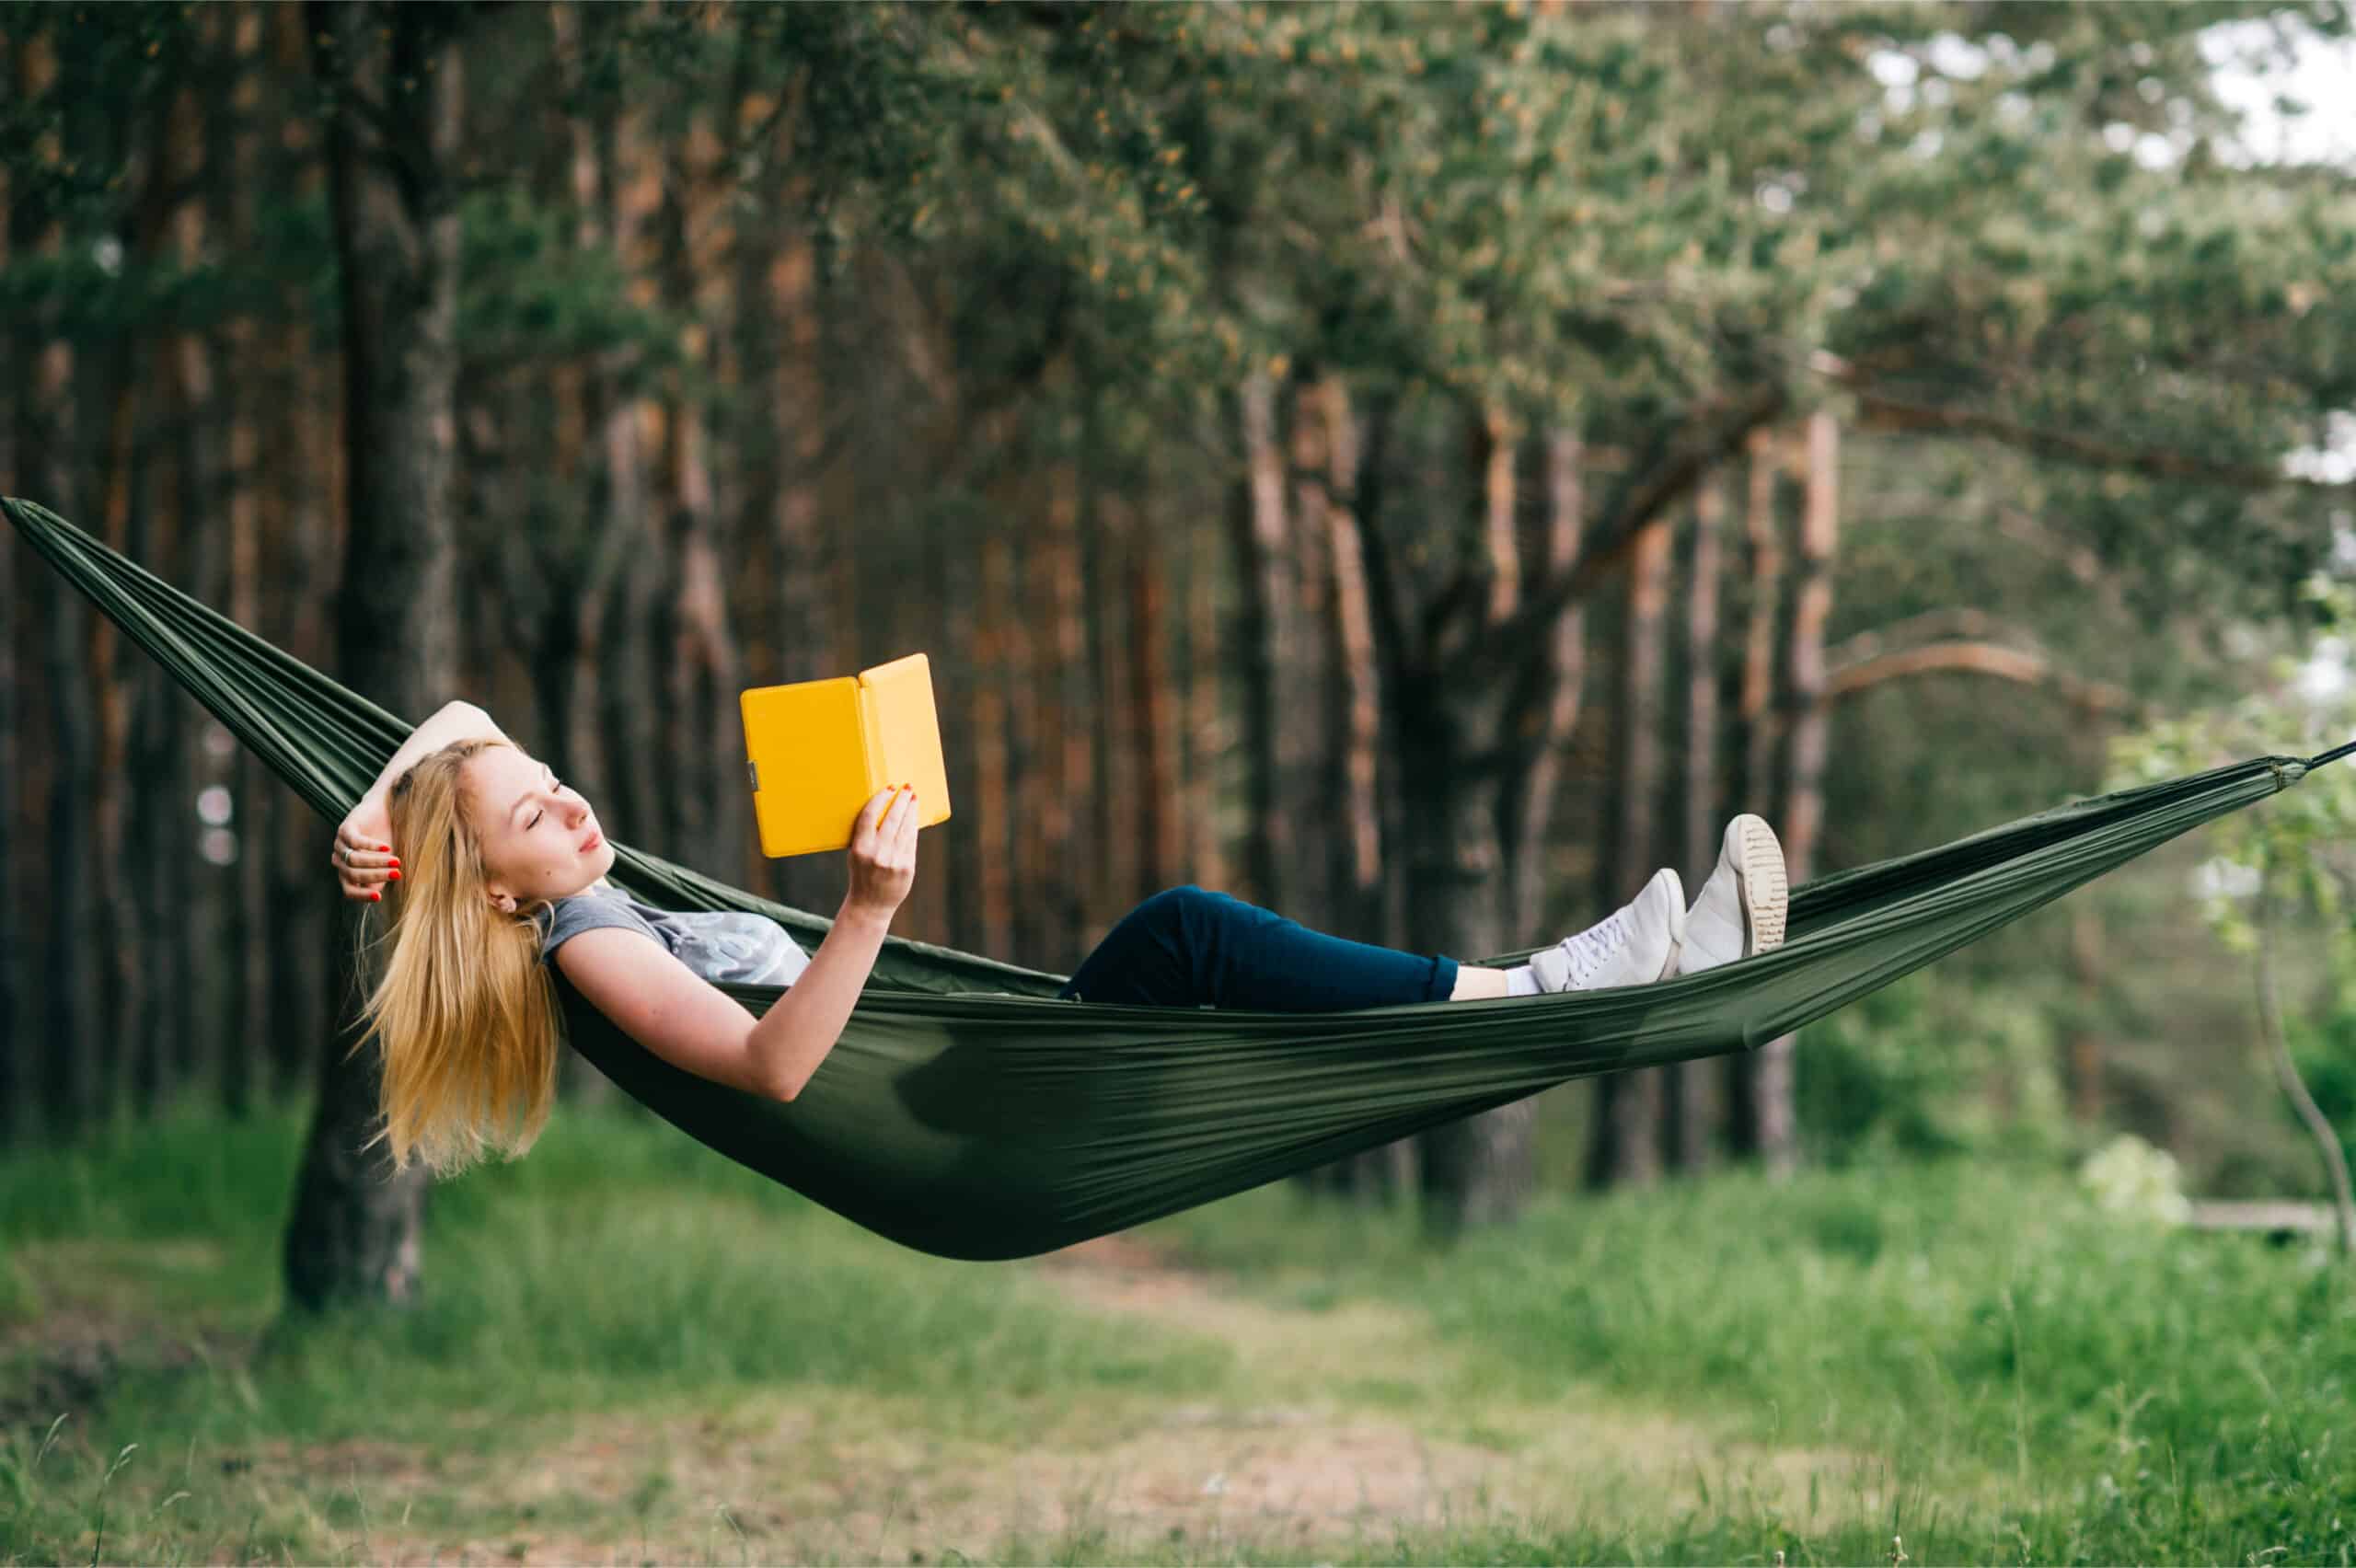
(1366, 1426)
(1354, 1424)
(1350, 1433)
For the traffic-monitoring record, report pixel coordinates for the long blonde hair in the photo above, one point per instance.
(466, 1012)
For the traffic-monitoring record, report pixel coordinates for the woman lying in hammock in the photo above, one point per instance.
(501, 870)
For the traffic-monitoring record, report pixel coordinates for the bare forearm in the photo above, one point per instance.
(455, 721)
(791, 1039)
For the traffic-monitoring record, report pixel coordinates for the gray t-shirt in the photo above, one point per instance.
(719, 944)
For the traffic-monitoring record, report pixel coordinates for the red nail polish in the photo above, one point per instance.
(377, 899)
(397, 874)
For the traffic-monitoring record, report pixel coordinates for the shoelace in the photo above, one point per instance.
(1590, 947)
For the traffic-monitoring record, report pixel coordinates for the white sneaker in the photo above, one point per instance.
(1742, 907)
(1637, 945)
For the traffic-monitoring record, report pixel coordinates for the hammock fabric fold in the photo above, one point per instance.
(968, 1113)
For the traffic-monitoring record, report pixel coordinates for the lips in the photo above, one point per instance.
(592, 842)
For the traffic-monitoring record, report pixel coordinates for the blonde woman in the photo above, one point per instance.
(497, 870)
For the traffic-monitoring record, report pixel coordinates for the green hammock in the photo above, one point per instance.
(969, 1114)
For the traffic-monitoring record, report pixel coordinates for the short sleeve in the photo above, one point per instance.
(586, 912)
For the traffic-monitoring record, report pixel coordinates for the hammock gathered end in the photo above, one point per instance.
(967, 1112)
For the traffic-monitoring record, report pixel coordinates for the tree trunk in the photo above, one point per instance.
(48, 435)
(1067, 748)
(227, 527)
(1354, 867)
(1047, 758)
(1118, 805)
(173, 842)
(807, 615)
(70, 968)
(1305, 685)
(16, 1086)
(162, 843)
(1804, 800)
(1160, 820)
(1479, 1169)
(1757, 722)
(1625, 1147)
(1263, 631)
(709, 810)
(1458, 764)
(354, 1233)
(993, 768)
(1207, 733)
(257, 383)
(306, 559)
(1762, 782)
(1357, 863)
(112, 686)
(1556, 688)
(625, 678)
(597, 416)
(116, 688)
(1692, 1085)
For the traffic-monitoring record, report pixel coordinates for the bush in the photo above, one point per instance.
(1925, 1069)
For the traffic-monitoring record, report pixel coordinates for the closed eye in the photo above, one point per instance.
(538, 815)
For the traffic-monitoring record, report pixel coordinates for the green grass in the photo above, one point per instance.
(616, 1267)
(2126, 1392)
(1966, 1355)
(615, 1261)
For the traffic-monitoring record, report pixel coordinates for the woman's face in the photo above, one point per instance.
(540, 839)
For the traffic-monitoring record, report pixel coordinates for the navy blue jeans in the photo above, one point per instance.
(1186, 947)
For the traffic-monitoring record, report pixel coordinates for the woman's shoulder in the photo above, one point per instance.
(594, 905)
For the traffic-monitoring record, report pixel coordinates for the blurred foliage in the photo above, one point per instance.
(2129, 1176)
(2300, 848)
(1921, 1070)
(1618, 210)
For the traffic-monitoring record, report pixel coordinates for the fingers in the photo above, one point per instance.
(891, 836)
(356, 850)
(873, 820)
(363, 865)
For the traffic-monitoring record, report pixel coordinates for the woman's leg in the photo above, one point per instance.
(1187, 947)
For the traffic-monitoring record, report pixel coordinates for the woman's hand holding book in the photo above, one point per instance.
(883, 852)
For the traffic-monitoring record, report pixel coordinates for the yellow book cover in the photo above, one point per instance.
(818, 751)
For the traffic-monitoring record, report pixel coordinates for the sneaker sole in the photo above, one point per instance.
(1676, 925)
(1764, 895)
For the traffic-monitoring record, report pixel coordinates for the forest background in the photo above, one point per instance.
(1415, 467)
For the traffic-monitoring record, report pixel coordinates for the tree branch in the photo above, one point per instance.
(1885, 411)
(1974, 658)
(1642, 493)
(1928, 627)
(2270, 1021)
